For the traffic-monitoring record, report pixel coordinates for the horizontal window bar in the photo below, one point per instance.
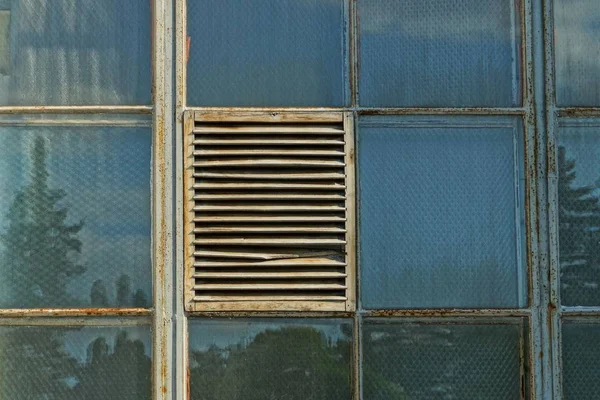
(74, 312)
(580, 311)
(373, 111)
(77, 321)
(579, 112)
(447, 313)
(76, 109)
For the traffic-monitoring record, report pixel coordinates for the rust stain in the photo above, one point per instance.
(74, 312)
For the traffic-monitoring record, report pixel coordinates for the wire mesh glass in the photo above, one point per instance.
(258, 359)
(75, 363)
(578, 161)
(75, 52)
(433, 53)
(266, 53)
(441, 212)
(441, 361)
(75, 216)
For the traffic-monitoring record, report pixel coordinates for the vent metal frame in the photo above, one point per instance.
(346, 120)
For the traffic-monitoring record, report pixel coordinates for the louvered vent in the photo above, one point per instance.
(269, 206)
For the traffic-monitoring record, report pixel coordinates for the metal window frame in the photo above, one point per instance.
(169, 319)
(160, 316)
(535, 36)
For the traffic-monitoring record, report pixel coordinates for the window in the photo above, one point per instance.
(326, 199)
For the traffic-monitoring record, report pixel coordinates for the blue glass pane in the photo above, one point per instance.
(75, 363)
(439, 53)
(75, 52)
(258, 359)
(441, 361)
(581, 360)
(577, 45)
(266, 53)
(579, 211)
(441, 221)
(75, 216)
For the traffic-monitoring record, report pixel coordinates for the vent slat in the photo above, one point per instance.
(269, 162)
(267, 213)
(269, 208)
(261, 254)
(268, 142)
(268, 229)
(290, 262)
(267, 152)
(269, 286)
(282, 176)
(267, 185)
(269, 218)
(269, 275)
(245, 196)
(269, 129)
(278, 242)
(268, 298)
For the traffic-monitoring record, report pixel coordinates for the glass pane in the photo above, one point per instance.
(75, 52)
(577, 45)
(439, 53)
(581, 360)
(75, 363)
(266, 53)
(75, 216)
(420, 361)
(258, 359)
(579, 211)
(440, 212)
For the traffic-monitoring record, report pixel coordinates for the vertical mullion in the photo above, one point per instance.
(542, 302)
(353, 52)
(537, 254)
(552, 179)
(162, 201)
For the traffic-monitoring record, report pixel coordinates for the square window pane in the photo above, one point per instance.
(266, 53)
(437, 53)
(434, 361)
(579, 211)
(441, 221)
(75, 52)
(40, 362)
(580, 359)
(75, 216)
(257, 359)
(576, 49)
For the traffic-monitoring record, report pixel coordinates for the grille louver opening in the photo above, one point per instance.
(268, 211)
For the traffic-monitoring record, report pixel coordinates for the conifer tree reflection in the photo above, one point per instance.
(579, 229)
(39, 255)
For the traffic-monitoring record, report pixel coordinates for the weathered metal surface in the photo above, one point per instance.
(73, 312)
(76, 110)
(163, 227)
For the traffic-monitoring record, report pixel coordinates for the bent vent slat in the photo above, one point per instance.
(267, 212)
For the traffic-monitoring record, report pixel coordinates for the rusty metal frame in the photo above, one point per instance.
(160, 317)
(538, 113)
(556, 313)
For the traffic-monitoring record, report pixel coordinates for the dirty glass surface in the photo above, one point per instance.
(266, 53)
(74, 363)
(441, 361)
(75, 216)
(579, 211)
(75, 52)
(441, 218)
(576, 49)
(580, 360)
(257, 359)
(439, 53)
